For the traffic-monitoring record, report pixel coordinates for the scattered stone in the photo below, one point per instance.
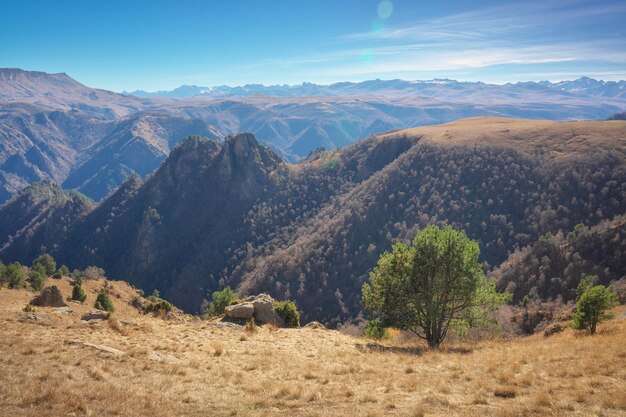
(64, 310)
(35, 318)
(243, 310)
(49, 297)
(552, 329)
(95, 315)
(227, 324)
(163, 357)
(315, 325)
(101, 348)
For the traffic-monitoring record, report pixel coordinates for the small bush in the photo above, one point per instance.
(289, 312)
(159, 306)
(78, 276)
(78, 294)
(250, 326)
(45, 264)
(155, 296)
(375, 330)
(221, 300)
(591, 308)
(63, 271)
(103, 302)
(37, 280)
(14, 275)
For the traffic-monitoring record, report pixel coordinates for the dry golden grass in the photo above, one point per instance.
(565, 139)
(189, 367)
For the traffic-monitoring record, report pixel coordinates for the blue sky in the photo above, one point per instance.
(127, 45)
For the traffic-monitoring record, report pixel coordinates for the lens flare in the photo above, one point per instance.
(367, 57)
(385, 9)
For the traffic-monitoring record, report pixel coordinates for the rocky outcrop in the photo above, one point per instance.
(244, 311)
(49, 297)
(260, 307)
(31, 317)
(315, 325)
(95, 315)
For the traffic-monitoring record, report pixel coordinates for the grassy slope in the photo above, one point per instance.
(571, 138)
(201, 369)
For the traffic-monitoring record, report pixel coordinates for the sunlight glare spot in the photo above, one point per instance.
(367, 57)
(385, 9)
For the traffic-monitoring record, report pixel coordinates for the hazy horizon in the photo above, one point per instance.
(200, 85)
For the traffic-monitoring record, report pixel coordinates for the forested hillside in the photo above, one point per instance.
(37, 220)
(233, 213)
(553, 266)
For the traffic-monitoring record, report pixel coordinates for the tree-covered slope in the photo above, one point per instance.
(37, 220)
(233, 213)
(554, 265)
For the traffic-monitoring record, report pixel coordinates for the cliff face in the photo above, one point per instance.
(170, 232)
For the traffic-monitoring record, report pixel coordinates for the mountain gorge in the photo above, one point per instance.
(53, 127)
(233, 213)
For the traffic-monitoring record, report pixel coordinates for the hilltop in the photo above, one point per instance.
(61, 92)
(233, 213)
(198, 368)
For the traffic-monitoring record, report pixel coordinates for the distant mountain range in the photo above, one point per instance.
(437, 88)
(53, 127)
(231, 212)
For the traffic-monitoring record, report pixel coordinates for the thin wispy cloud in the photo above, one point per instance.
(500, 20)
(528, 33)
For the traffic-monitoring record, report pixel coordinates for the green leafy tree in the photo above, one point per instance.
(45, 264)
(424, 287)
(14, 275)
(289, 312)
(37, 280)
(38, 268)
(591, 308)
(221, 299)
(78, 294)
(103, 302)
